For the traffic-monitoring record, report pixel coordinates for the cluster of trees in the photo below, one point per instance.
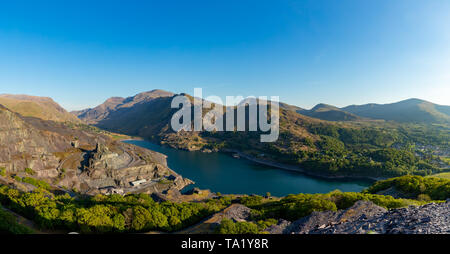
(365, 151)
(366, 136)
(113, 213)
(228, 226)
(435, 188)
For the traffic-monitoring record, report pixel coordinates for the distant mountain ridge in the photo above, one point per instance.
(34, 106)
(410, 110)
(329, 113)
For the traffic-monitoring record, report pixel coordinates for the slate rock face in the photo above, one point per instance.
(76, 157)
(317, 222)
(365, 217)
(237, 212)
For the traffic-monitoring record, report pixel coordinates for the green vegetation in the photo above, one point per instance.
(227, 226)
(2, 171)
(435, 188)
(293, 207)
(165, 181)
(38, 183)
(30, 171)
(140, 213)
(114, 213)
(349, 149)
(442, 175)
(9, 225)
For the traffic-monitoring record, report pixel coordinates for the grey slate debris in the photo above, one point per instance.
(364, 217)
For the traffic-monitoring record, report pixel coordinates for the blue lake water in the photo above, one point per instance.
(221, 172)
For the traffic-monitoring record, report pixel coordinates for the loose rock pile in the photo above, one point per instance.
(365, 217)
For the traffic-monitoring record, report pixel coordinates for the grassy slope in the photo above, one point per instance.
(38, 107)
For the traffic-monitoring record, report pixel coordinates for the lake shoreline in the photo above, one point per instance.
(297, 169)
(277, 165)
(217, 170)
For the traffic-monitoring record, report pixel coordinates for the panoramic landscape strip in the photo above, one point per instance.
(228, 126)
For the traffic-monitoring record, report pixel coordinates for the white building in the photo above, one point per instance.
(138, 182)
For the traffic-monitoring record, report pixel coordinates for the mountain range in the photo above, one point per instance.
(329, 113)
(410, 110)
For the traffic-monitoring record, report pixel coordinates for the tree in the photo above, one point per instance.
(141, 218)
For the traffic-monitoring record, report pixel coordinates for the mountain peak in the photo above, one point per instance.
(323, 106)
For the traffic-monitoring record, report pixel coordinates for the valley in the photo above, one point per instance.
(355, 147)
(121, 168)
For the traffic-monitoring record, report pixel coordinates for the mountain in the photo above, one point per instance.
(75, 156)
(411, 110)
(34, 106)
(150, 118)
(329, 113)
(290, 107)
(118, 104)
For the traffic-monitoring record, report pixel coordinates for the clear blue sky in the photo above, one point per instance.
(338, 51)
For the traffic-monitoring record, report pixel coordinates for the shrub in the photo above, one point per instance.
(251, 200)
(423, 197)
(435, 188)
(38, 183)
(227, 226)
(30, 171)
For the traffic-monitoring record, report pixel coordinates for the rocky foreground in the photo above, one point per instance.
(365, 217)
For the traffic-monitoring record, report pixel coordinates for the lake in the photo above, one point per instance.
(223, 173)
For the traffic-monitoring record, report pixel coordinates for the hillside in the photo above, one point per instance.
(411, 110)
(329, 113)
(41, 107)
(75, 157)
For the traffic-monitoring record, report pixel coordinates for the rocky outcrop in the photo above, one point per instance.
(78, 157)
(235, 212)
(365, 217)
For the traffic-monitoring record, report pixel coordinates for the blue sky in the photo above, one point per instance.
(337, 52)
